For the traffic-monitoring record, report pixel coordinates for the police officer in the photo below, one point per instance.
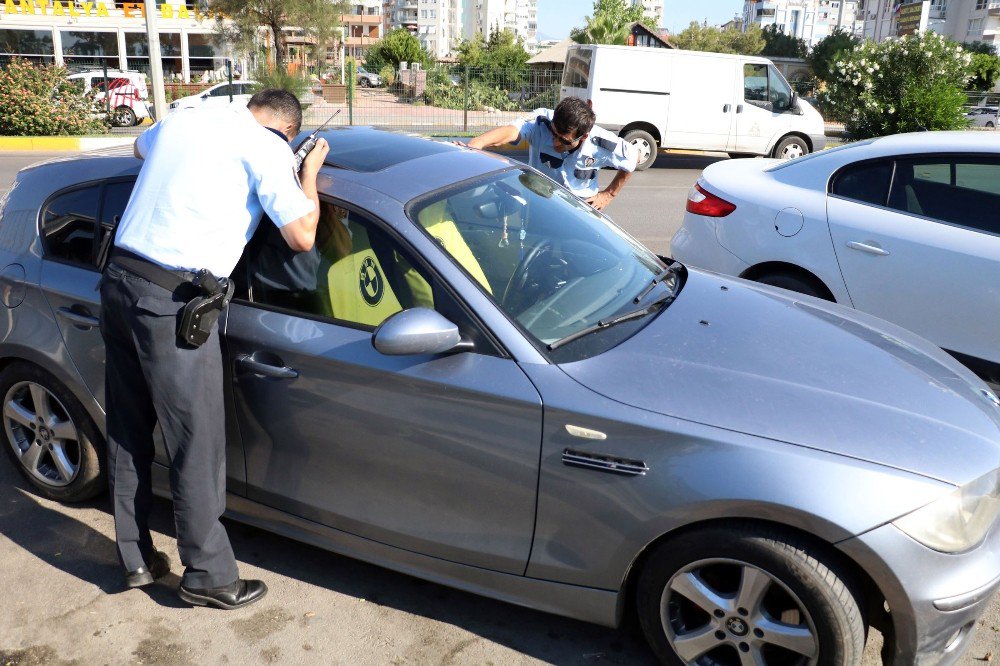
(566, 146)
(208, 176)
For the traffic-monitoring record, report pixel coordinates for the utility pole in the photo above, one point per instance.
(155, 64)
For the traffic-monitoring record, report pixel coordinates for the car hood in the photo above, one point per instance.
(766, 362)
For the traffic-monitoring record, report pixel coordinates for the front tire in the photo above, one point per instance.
(748, 596)
(645, 144)
(790, 147)
(50, 437)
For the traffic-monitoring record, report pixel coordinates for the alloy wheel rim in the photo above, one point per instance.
(644, 149)
(42, 434)
(722, 612)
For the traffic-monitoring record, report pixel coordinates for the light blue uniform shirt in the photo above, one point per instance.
(577, 169)
(208, 176)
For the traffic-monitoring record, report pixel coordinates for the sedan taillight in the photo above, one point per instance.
(702, 202)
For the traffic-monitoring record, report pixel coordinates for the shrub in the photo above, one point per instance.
(900, 85)
(41, 101)
(278, 77)
(388, 75)
(984, 70)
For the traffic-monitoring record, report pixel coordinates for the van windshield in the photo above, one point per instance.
(576, 74)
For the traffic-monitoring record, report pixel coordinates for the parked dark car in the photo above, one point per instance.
(478, 379)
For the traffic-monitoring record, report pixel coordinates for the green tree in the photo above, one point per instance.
(39, 100)
(502, 51)
(609, 24)
(317, 18)
(780, 45)
(396, 47)
(984, 69)
(698, 37)
(828, 50)
(986, 48)
(900, 85)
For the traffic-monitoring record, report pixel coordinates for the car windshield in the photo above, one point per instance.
(550, 261)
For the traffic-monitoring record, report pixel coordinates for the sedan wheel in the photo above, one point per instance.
(725, 597)
(49, 434)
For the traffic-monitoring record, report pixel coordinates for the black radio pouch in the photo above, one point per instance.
(202, 312)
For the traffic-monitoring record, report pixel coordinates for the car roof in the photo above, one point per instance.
(400, 166)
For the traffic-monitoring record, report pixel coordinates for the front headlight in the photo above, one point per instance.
(959, 520)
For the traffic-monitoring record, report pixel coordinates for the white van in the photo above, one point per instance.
(667, 98)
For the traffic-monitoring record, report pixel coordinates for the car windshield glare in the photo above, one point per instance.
(550, 261)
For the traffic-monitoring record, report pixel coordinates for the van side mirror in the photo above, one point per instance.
(793, 104)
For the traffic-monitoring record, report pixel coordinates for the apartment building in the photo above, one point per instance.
(652, 11)
(961, 20)
(363, 26)
(810, 20)
(518, 16)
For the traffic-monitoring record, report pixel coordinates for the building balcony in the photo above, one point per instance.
(993, 8)
(360, 19)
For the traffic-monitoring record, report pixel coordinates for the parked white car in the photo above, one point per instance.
(218, 94)
(127, 92)
(983, 116)
(904, 227)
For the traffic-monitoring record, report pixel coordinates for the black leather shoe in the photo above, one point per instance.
(158, 568)
(229, 597)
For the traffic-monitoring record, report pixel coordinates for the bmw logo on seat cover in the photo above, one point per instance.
(370, 282)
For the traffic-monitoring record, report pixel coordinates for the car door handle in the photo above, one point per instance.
(739, 108)
(248, 363)
(78, 318)
(869, 248)
(725, 108)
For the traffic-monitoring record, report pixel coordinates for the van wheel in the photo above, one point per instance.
(123, 116)
(645, 144)
(791, 147)
(49, 435)
(989, 124)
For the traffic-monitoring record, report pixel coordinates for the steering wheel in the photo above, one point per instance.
(516, 286)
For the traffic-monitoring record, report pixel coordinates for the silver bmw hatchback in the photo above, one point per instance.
(477, 379)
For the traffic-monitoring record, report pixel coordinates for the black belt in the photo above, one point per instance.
(146, 269)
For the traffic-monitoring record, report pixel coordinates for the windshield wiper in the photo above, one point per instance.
(660, 277)
(607, 323)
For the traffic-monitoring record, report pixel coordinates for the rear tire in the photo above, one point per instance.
(793, 282)
(645, 144)
(49, 435)
(790, 147)
(123, 116)
(710, 595)
(989, 124)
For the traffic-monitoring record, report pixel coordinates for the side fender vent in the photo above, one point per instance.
(603, 463)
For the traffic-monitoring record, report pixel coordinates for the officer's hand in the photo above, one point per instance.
(600, 200)
(314, 160)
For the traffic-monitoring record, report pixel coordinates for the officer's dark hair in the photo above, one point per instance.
(281, 103)
(573, 116)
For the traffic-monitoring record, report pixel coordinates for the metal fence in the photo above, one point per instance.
(452, 100)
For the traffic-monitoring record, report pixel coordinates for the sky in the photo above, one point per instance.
(557, 17)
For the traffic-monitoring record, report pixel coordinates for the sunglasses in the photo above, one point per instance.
(561, 139)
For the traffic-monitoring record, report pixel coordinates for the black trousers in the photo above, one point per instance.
(152, 378)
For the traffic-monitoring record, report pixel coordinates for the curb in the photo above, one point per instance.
(61, 143)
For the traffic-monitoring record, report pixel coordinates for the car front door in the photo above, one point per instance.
(762, 114)
(918, 241)
(436, 454)
(701, 102)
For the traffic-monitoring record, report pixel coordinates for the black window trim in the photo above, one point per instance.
(498, 349)
(952, 156)
(101, 184)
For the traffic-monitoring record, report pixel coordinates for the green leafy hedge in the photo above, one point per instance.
(39, 100)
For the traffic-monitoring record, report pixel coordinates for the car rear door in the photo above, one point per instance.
(918, 241)
(74, 224)
(436, 454)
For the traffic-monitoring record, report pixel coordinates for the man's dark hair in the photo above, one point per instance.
(281, 103)
(574, 115)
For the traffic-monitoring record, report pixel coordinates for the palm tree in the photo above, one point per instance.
(602, 29)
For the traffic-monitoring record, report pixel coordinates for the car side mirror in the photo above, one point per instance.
(418, 331)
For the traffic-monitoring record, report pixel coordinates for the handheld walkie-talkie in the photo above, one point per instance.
(306, 146)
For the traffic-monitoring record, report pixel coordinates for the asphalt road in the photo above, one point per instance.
(63, 601)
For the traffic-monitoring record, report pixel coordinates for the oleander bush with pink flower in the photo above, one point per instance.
(39, 100)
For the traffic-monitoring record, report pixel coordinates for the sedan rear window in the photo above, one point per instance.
(867, 182)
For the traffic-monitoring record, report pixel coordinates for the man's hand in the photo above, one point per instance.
(601, 199)
(314, 160)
